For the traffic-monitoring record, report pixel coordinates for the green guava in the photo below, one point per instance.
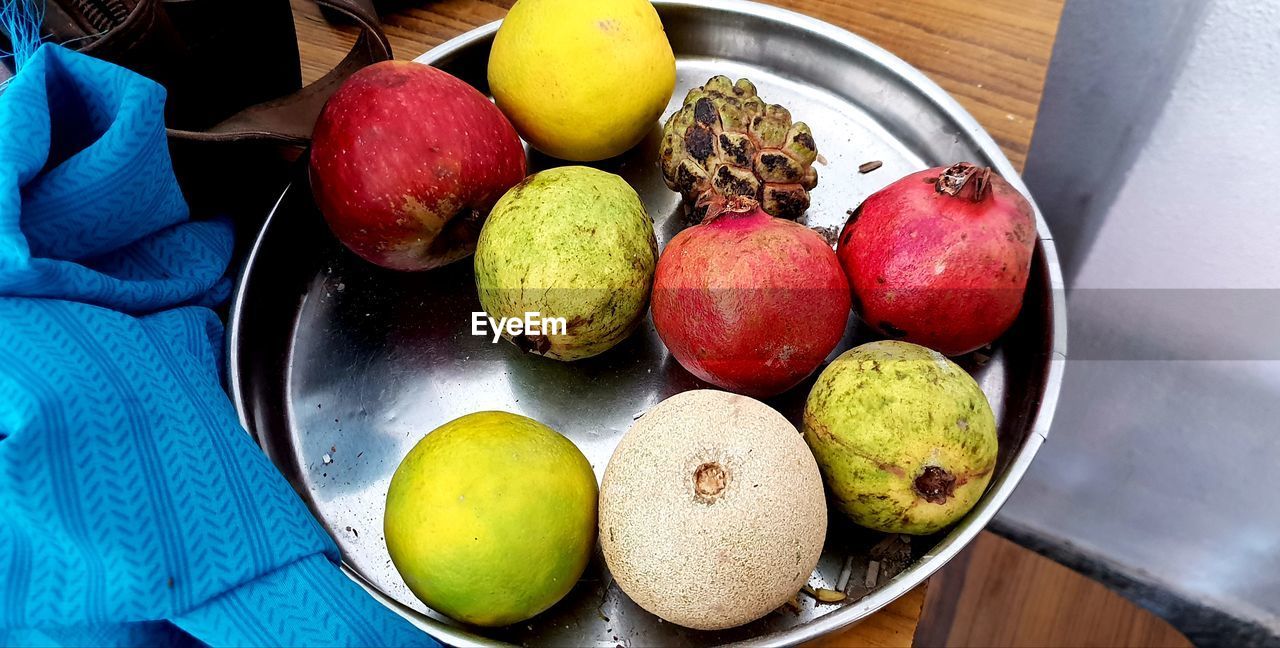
(572, 249)
(904, 437)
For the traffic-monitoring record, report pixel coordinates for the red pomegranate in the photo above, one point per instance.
(941, 257)
(749, 302)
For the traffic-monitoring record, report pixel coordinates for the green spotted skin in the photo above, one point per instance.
(904, 437)
(574, 243)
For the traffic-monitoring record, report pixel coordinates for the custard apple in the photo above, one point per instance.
(726, 141)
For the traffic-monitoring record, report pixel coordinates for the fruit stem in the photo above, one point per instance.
(958, 176)
(709, 480)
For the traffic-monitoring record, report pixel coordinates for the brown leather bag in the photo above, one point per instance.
(231, 66)
(237, 113)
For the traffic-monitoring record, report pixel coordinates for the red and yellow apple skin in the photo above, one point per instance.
(407, 160)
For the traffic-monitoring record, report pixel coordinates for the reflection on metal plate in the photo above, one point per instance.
(338, 368)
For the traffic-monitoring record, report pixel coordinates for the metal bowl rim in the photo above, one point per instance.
(965, 531)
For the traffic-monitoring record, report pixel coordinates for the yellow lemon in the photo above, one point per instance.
(491, 518)
(582, 80)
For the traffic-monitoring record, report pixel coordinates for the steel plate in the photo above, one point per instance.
(338, 368)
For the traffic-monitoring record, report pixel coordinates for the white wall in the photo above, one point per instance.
(1201, 199)
(1157, 156)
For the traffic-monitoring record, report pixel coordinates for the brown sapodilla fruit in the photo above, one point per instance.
(712, 511)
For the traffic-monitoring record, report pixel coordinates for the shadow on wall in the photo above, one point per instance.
(1113, 69)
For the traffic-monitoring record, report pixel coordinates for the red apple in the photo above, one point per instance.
(407, 160)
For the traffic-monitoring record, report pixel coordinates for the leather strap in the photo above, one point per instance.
(290, 119)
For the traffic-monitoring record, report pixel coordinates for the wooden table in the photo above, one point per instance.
(991, 55)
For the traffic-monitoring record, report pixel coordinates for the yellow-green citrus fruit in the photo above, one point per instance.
(573, 244)
(491, 518)
(905, 438)
(582, 80)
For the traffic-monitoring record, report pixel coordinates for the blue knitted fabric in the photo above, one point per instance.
(134, 509)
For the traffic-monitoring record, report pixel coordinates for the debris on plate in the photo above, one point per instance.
(824, 595)
(842, 583)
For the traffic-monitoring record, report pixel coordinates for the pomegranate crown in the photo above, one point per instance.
(718, 205)
(964, 174)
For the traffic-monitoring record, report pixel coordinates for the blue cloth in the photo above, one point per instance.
(134, 509)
